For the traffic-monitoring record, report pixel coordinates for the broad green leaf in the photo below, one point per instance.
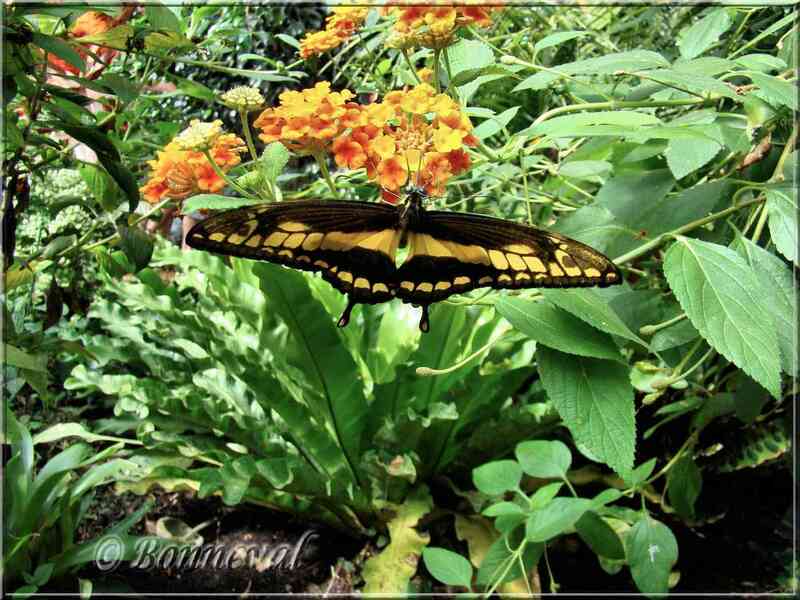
(545, 494)
(686, 156)
(137, 246)
(554, 39)
(652, 552)
(447, 566)
(599, 536)
(467, 55)
(777, 92)
(779, 297)
(583, 169)
(494, 124)
(555, 518)
(556, 328)
(545, 459)
(500, 565)
(497, 477)
(273, 160)
(595, 400)
(705, 33)
(125, 88)
(162, 18)
(782, 210)
(701, 85)
(640, 474)
(321, 354)
(217, 202)
(17, 358)
(287, 39)
(720, 294)
(390, 571)
(592, 307)
(761, 62)
(683, 486)
(562, 126)
(630, 195)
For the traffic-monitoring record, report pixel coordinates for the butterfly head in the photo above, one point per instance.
(416, 195)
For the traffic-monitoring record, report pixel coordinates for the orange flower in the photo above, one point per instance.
(308, 121)
(434, 26)
(89, 23)
(400, 143)
(178, 172)
(340, 25)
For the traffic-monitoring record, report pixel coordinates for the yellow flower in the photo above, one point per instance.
(199, 135)
(340, 25)
(243, 98)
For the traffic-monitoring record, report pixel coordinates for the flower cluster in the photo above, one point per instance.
(339, 26)
(182, 168)
(89, 23)
(308, 121)
(415, 136)
(243, 98)
(434, 26)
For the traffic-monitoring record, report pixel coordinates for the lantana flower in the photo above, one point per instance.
(182, 168)
(434, 26)
(340, 25)
(89, 23)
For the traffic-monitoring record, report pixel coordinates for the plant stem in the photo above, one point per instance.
(224, 177)
(411, 68)
(651, 329)
(437, 71)
(656, 242)
(248, 136)
(616, 104)
(323, 167)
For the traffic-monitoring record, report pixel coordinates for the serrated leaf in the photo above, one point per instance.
(686, 156)
(652, 551)
(556, 328)
(545, 459)
(592, 307)
(780, 297)
(447, 566)
(720, 294)
(595, 400)
(705, 33)
(782, 210)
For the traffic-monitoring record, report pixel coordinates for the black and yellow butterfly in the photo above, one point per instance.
(354, 245)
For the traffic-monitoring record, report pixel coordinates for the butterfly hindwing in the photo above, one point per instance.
(452, 253)
(352, 244)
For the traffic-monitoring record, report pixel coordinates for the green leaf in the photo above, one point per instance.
(720, 294)
(779, 297)
(686, 156)
(693, 82)
(17, 358)
(59, 48)
(287, 39)
(556, 328)
(564, 126)
(554, 39)
(595, 400)
(640, 474)
(782, 210)
(162, 18)
(555, 518)
(705, 33)
(583, 169)
(217, 202)
(500, 565)
(777, 92)
(599, 536)
(497, 477)
(104, 189)
(273, 161)
(124, 178)
(467, 55)
(494, 124)
(545, 459)
(447, 566)
(652, 552)
(761, 62)
(592, 307)
(137, 246)
(683, 486)
(125, 88)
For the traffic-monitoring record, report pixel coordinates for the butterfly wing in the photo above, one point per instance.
(452, 253)
(353, 244)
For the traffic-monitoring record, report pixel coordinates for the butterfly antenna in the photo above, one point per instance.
(385, 189)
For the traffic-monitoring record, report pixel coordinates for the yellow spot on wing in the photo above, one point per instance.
(235, 238)
(425, 287)
(461, 280)
(523, 277)
(407, 285)
(294, 240)
(275, 239)
(504, 278)
(498, 260)
(217, 237)
(313, 241)
(362, 283)
(592, 272)
(485, 280)
(534, 264)
(519, 248)
(304, 259)
(346, 276)
(443, 285)
(287, 253)
(254, 241)
(321, 263)
(293, 226)
(555, 270)
(516, 262)
(380, 287)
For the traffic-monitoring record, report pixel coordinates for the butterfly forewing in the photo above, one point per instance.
(353, 244)
(452, 253)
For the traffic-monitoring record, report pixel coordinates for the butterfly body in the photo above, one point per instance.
(354, 246)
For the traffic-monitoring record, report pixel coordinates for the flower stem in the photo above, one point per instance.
(248, 136)
(323, 167)
(224, 177)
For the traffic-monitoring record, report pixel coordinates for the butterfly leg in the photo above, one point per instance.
(345, 318)
(424, 320)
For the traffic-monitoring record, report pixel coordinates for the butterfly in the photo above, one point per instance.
(354, 245)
